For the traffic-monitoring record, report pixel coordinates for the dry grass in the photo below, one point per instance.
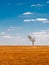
(24, 55)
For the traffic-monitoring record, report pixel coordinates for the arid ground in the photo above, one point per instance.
(24, 55)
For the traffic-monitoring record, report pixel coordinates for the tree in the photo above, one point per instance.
(32, 40)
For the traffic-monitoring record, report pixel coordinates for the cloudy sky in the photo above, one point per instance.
(20, 18)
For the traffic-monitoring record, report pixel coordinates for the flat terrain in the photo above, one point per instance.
(24, 55)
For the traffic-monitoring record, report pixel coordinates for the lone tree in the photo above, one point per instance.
(32, 40)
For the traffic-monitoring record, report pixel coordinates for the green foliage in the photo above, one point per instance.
(31, 39)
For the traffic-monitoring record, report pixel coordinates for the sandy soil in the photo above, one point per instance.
(24, 55)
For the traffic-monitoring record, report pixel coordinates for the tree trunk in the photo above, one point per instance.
(33, 43)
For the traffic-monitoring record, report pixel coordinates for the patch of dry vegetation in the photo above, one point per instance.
(24, 55)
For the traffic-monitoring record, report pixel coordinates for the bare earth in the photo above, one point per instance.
(24, 55)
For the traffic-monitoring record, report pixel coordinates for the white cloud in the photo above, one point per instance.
(27, 13)
(37, 5)
(18, 37)
(29, 20)
(43, 20)
(14, 40)
(47, 2)
(39, 34)
(42, 37)
(17, 33)
(13, 28)
(33, 5)
(9, 29)
(7, 36)
(2, 33)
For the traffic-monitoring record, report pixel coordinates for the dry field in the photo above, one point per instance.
(24, 55)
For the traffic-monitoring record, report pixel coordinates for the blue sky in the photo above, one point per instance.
(20, 18)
